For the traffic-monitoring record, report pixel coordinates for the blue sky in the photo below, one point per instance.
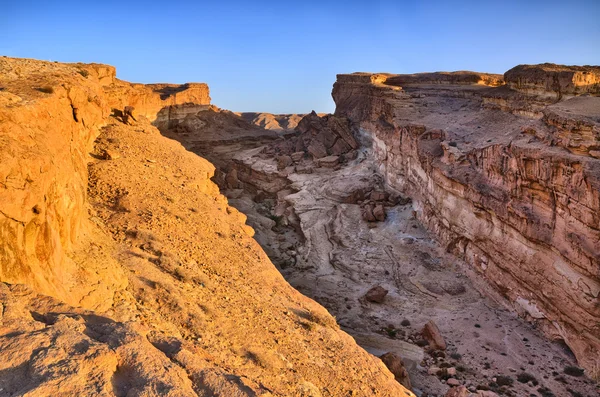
(282, 56)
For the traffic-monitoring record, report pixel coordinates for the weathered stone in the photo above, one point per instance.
(297, 156)
(110, 154)
(376, 294)
(367, 214)
(329, 161)
(379, 213)
(339, 147)
(317, 150)
(432, 334)
(396, 367)
(458, 391)
(284, 161)
(453, 382)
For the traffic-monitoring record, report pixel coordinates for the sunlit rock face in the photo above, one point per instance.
(124, 271)
(507, 178)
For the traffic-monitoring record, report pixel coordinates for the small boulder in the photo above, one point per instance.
(458, 391)
(317, 150)
(433, 335)
(453, 382)
(329, 161)
(109, 154)
(376, 294)
(284, 161)
(396, 367)
(379, 213)
(304, 169)
(297, 156)
(367, 214)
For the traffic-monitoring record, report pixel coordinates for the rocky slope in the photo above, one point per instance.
(506, 177)
(131, 275)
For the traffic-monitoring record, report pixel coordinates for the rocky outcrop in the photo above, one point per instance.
(140, 279)
(446, 78)
(319, 136)
(49, 117)
(554, 80)
(516, 196)
(275, 122)
(165, 105)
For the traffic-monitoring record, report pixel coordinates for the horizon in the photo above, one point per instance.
(283, 58)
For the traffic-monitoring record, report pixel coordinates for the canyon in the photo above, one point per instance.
(154, 244)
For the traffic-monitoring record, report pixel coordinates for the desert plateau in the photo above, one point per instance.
(434, 234)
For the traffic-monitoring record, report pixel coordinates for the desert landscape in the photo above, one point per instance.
(437, 235)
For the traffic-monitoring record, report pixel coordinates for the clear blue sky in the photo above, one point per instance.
(282, 56)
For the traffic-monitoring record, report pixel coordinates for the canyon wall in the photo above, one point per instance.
(44, 218)
(49, 118)
(124, 271)
(515, 194)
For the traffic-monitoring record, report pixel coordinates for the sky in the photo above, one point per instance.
(283, 56)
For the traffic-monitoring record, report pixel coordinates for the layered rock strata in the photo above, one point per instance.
(517, 197)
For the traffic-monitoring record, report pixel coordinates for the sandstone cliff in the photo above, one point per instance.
(139, 278)
(508, 180)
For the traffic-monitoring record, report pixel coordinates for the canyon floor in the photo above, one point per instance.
(331, 254)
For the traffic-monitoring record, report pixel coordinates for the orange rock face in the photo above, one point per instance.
(123, 269)
(513, 189)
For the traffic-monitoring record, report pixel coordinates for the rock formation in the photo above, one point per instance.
(124, 271)
(275, 122)
(505, 176)
(134, 276)
(314, 217)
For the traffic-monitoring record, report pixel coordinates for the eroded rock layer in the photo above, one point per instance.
(131, 275)
(514, 189)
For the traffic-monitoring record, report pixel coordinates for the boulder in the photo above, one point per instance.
(329, 161)
(284, 161)
(379, 213)
(396, 367)
(367, 214)
(317, 149)
(453, 382)
(297, 156)
(376, 294)
(432, 334)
